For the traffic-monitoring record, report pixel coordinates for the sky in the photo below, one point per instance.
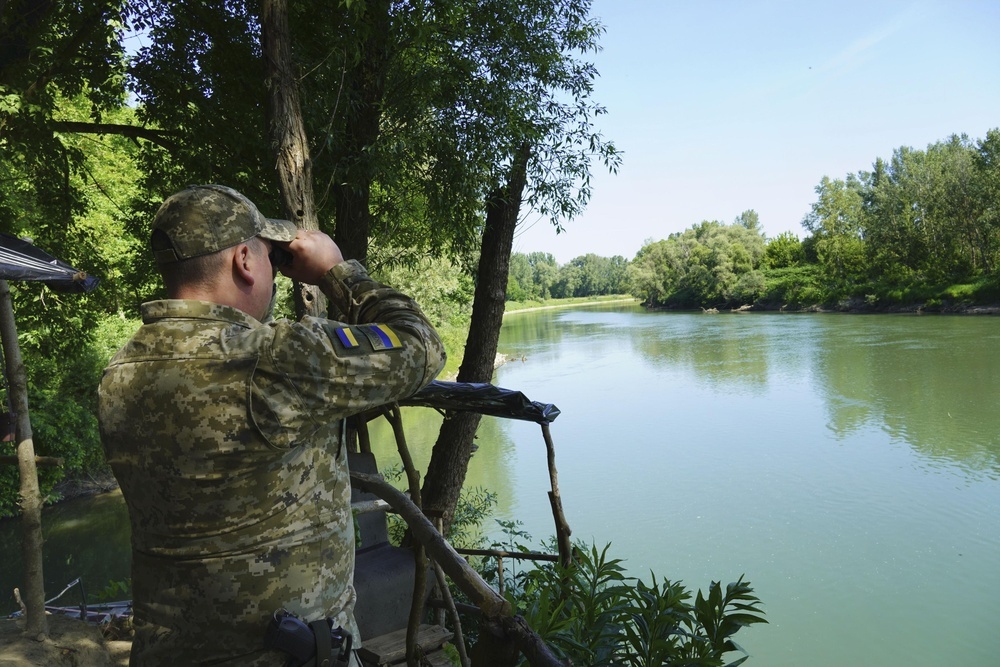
(720, 106)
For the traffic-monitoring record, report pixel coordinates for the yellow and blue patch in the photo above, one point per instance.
(379, 337)
(347, 338)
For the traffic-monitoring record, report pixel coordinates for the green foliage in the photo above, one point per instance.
(891, 237)
(474, 506)
(783, 251)
(835, 222)
(537, 276)
(592, 613)
(708, 265)
(444, 292)
(52, 51)
(117, 589)
(412, 114)
(520, 283)
(66, 339)
(923, 217)
(63, 403)
(795, 287)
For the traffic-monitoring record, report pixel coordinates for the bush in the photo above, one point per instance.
(593, 614)
(794, 287)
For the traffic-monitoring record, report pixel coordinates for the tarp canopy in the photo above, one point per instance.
(20, 260)
(483, 398)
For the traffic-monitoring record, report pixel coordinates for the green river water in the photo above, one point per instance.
(848, 465)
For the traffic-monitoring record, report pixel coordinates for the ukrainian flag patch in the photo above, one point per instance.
(346, 337)
(381, 336)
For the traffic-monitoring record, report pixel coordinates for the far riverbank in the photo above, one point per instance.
(549, 304)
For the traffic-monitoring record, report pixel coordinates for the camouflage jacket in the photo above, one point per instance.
(225, 436)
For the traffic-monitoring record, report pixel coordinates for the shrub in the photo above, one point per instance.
(593, 614)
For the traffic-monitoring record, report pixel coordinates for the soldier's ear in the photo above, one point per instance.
(243, 264)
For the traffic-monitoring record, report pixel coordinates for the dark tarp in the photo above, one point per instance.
(20, 260)
(483, 398)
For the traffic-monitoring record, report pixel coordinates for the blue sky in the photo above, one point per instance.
(726, 105)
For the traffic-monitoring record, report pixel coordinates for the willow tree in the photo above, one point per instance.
(428, 126)
(533, 90)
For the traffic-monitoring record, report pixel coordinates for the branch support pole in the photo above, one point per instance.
(36, 624)
(563, 531)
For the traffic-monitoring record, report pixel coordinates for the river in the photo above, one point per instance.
(848, 465)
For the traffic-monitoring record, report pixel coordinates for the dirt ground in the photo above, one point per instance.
(71, 643)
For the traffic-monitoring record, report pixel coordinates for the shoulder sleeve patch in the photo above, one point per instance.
(381, 336)
(346, 337)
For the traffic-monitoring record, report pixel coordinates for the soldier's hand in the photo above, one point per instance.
(313, 254)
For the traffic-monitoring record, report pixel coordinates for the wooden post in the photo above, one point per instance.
(36, 625)
(449, 601)
(395, 418)
(562, 526)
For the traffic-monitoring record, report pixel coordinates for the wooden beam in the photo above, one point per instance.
(48, 461)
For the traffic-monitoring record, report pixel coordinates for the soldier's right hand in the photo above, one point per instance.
(313, 254)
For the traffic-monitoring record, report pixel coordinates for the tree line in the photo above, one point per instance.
(537, 276)
(921, 228)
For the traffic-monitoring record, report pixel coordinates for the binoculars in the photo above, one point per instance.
(279, 256)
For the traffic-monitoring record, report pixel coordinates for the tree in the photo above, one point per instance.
(835, 222)
(567, 282)
(783, 251)
(521, 284)
(293, 163)
(544, 272)
(986, 163)
(540, 114)
(707, 265)
(750, 220)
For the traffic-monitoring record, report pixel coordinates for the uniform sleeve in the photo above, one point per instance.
(365, 301)
(384, 351)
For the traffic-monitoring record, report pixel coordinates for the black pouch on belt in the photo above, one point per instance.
(316, 644)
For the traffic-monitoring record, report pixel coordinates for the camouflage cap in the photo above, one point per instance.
(207, 218)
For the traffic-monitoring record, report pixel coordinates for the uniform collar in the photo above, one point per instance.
(195, 310)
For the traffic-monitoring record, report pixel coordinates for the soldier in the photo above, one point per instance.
(224, 429)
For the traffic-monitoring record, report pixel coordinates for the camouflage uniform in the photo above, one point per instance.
(225, 436)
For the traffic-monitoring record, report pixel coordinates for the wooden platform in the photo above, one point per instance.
(390, 649)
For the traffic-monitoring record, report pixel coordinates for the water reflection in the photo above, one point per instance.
(931, 382)
(86, 538)
(847, 464)
(492, 465)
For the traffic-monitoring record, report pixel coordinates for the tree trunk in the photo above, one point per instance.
(288, 136)
(453, 449)
(365, 91)
(30, 495)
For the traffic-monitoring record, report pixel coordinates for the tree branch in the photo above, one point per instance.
(495, 609)
(158, 137)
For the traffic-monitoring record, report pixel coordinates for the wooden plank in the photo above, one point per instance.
(437, 659)
(390, 648)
